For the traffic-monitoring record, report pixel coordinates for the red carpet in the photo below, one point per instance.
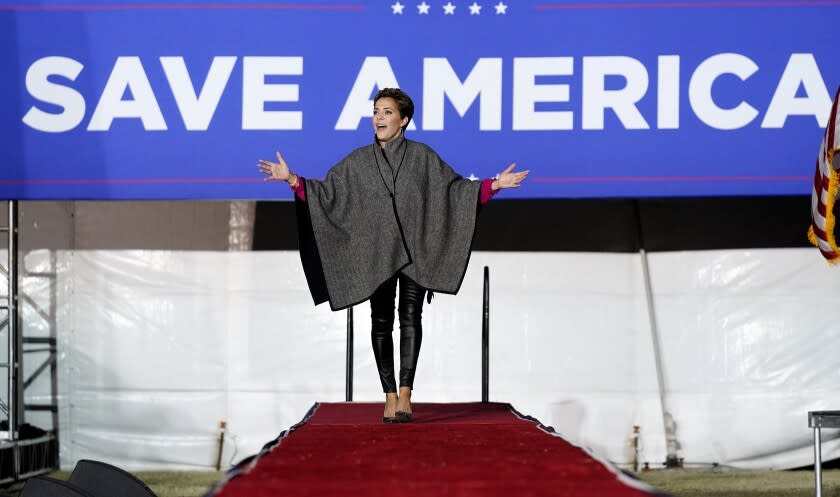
(343, 449)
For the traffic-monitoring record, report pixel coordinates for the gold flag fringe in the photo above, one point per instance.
(830, 220)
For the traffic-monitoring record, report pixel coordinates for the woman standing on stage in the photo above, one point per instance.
(390, 212)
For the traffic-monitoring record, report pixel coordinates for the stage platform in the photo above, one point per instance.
(465, 449)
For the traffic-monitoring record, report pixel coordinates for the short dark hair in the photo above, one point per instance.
(404, 103)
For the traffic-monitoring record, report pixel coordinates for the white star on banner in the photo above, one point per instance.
(472, 177)
(423, 8)
(501, 8)
(449, 9)
(397, 8)
(475, 9)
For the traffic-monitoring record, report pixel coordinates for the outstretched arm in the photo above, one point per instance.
(505, 179)
(509, 179)
(279, 171)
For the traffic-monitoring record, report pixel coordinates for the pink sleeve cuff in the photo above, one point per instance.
(299, 189)
(487, 191)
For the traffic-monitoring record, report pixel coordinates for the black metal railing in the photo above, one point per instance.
(485, 339)
(348, 390)
(485, 345)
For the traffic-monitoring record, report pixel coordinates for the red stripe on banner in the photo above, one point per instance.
(126, 181)
(685, 5)
(637, 179)
(821, 208)
(543, 179)
(186, 6)
(828, 255)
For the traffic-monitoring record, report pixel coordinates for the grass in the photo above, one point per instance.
(180, 484)
(735, 483)
(677, 482)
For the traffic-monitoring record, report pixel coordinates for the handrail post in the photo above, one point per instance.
(485, 340)
(348, 392)
(817, 461)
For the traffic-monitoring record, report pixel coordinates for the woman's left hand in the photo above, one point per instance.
(509, 179)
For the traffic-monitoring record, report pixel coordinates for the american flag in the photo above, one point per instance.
(824, 193)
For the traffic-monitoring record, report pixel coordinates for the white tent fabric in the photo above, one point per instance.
(157, 347)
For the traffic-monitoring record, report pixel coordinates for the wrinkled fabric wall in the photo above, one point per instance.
(156, 347)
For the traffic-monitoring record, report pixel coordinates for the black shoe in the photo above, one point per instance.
(390, 420)
(404, 417)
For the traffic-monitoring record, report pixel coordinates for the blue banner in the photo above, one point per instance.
(176, 100)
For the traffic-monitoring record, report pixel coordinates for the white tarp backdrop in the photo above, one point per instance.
(156, 347)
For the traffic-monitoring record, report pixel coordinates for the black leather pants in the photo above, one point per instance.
(411, 330)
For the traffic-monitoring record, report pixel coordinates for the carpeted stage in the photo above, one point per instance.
(470, 449)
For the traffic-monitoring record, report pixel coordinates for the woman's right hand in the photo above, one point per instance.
(276, 171)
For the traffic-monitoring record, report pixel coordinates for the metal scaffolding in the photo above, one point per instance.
(23, 455)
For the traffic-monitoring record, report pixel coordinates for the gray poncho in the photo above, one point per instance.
(379, 213)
